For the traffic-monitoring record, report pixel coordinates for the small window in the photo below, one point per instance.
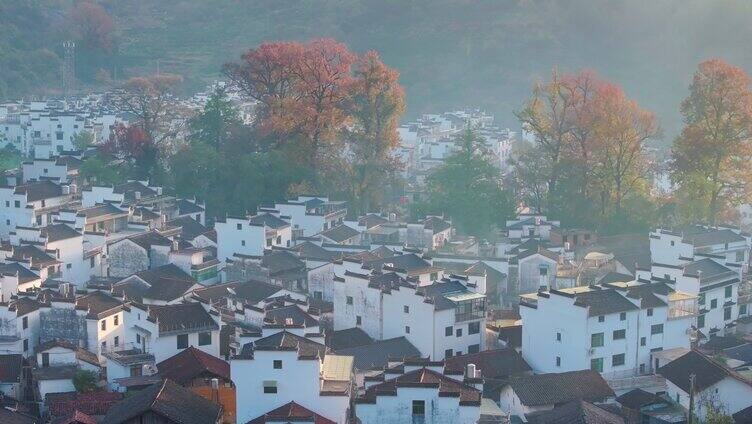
(242, 242)
(458, 332)
(672, 242)
(277, 364)
(727, 291)
(618, 360)
(182, 341)
(358, 320)
(103, 325)
(656, 329)
(558, 361)
(596, 340)
(104, 345)
(700, 321)
(270, 387)
(17, 203)
(643, 341)
(596, 364)
(25, 323)
(650, 312)
(726, 314)
(713, 303)
(701, 299)
(406, 309)
(448, 353)
(239, 226)
(419, 407)
(204, 338)
(349, 300)
(117, 340)
(558, 337)
(623, 316)
(92, 262)
(115, 319)
(138, 338)
(620, 334)
(473, 328)
(473, 348)
(279, 239)
(26, 345)
(407, 329)
(601, 318)
(448, 331)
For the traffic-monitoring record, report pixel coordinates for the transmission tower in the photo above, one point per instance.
(68, 68)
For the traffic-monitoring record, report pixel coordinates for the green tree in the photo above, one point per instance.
(85, 381)
(467, 187)
(97, 170)
(216, 122)
(83, 140)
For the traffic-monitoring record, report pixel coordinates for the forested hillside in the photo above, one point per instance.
(449, 52)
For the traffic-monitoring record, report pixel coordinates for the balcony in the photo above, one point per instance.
(682, 305)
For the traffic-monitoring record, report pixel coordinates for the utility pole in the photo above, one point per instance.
(69, 68)
(691, 399)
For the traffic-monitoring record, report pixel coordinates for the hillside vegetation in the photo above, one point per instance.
(450, 53)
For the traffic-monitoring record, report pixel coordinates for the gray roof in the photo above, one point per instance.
(11, 366)
(604, 302)
(340, 233)
(186, 317)
(575, 412)
(699, 236)
(557, 388)
(377, 354)
(56, 232)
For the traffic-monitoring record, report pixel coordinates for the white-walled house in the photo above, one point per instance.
(31, 204)
(611, 329)
(420, 394)
(679, 246)
(530, 226)
(181, 326)
(251, 236)
(19, 326)
(138, 253)
(715, 385)
(283, 367)
(62, 169)
(310, 215)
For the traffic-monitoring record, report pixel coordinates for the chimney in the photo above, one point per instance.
(215, 389)
(470, 372)
(137, 195)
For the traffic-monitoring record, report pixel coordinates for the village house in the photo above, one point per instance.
(311, 215)
(138, 253)
(251, 236)
(181, 326)
(31, 204)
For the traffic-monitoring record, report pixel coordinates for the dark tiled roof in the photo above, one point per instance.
(183, 317)
(371, 220)
(496, 364)
(35, 255)
(129, 189)
(96, 403)
(290, 412)
(56, 232)
(10, 368)
(250, 291)
(191, 363)
(269, 220)
(186, 207)
(576, 412)
(167, 282)
(436, 224)
(740, 353)
(556, 388)
(39, 190)
(175, 403)
(637, 398)
(77, 417)
(604, 302)
(96, 303)
(699, 236)
(148, 239)
(744, 416)
(647, 294)
(189, 227)
(378, 353)
(284, 340)
(708, 267)
(293, 313)
(308, 250)
(616, 277)
(101, 210)
(351, 337)
(340, 233)
(71, 162)
(9, 417)
(279, 261)
(707, 372)
(24, 305)
(409, 262)
(423, 377)
(14, 268)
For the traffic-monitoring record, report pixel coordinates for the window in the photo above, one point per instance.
(558, 361)
(473, 328)
(407, 329)
(26, 345)
(642, 368)
(601, 318)
(701, 299)
(91, 262)
(104, 345)
(727, 291)
(358, 320)
(618, 360)
(117, 340)
(25, 323)
(672, 242)
(204, 338)
(448, 331)
(349, 300)
(596, 340)
(239, 226)
(279, 239)
(650, 312)
(596, 364)
(318, 295)
(138, 338)
(558, 337)
(268, 242)
(742, 309)
(543, 270)
(419, 407)
(458, 332)
(103, 325)
(474, 348)
(115, 320)
(242, 242)
(739, 256)
(620, 334)
(700, 321)
(713, 303)
(182, 341)
(643, 341)
(726, 314)
(448, 353)
(656, 329)
(277, 364)
(406, 309)
(434, 276)
(270, 387)
(17, 203)
(623, 316)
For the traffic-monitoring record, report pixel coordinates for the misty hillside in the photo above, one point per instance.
(450, 52)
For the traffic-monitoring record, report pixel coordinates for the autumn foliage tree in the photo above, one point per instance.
(150, 101)
(134, 147)
(92, 28)
(337, 110)
(713, 152)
